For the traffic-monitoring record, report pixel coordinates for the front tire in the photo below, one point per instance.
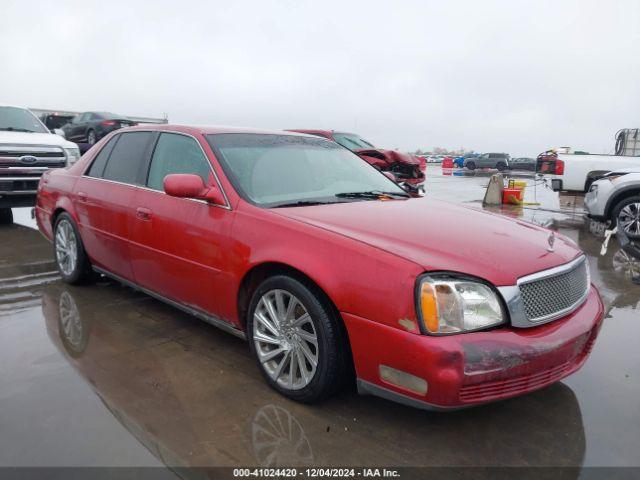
(471, 165)
(501, 166)
(6, 216)
(71, 258)
(626, 215)
(296, 339)
(92, 138)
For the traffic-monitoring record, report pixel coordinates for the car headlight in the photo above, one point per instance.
(73, 155)
(448, 304)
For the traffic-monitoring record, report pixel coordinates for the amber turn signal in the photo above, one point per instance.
(429, 307)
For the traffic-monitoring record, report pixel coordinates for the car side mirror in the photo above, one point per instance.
(59, 131)
(189, 185)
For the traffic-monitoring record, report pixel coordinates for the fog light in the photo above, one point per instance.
(403, 380)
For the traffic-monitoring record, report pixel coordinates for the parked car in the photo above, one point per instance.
(523, 163)
(89, 127)
(575, 172)
(488, 160)
(55, 121)
(324, 265)
(27, 149)
(407, 168)
(615, 199)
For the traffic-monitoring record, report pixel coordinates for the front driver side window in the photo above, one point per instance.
(175, 153)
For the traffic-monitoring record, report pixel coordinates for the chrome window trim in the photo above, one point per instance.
(227, 205)
(151, 190)
(513, 298)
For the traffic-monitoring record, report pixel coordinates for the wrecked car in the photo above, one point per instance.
(408, 169)
(327, 267)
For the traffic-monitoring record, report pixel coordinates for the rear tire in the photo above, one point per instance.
(304, 335)
(501, 166)
(71, 259)
(471, 165)
(626, 215)
(6, 216)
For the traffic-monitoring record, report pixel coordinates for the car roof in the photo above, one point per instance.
(315, 131)
(212, 129)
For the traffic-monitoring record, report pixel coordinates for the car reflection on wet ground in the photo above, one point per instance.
(103, 375)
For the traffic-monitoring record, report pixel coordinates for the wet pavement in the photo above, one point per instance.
(103, 375)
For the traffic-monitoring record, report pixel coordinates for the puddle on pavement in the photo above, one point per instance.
(103, 375)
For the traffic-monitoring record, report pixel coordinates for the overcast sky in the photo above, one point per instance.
(510, 76)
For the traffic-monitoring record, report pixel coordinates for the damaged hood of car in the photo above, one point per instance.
(389, 156)
(439, 235)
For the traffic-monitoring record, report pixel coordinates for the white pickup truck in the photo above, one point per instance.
(575, 172)
(27, 149)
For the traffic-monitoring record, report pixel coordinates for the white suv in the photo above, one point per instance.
(615, 199)
(27, 149)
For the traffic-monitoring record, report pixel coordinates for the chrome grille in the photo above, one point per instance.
(45, 156)
(556, 292)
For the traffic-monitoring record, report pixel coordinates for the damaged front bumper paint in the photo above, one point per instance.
(474, 368)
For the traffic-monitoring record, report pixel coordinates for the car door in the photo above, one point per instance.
(71, 129)
(103, 198)
(178, 244)
(483, 160)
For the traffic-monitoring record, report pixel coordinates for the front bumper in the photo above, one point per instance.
(17, 199)
(473, 368)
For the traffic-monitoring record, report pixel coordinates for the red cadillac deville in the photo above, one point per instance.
(325, 265)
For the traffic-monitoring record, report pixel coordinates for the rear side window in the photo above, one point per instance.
(97, 167)
(127, 156)
(175, 153)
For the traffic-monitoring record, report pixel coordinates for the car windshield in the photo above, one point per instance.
(15, 119)
(351, 141)
(282, 170)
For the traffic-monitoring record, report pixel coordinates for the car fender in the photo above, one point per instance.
(619, 195)
(338, 265)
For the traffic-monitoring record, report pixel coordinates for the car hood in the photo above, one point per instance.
(390, 156)
(26, 138)
(442, 236)
(625, 170)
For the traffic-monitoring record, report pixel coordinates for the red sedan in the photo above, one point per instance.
(325, 265)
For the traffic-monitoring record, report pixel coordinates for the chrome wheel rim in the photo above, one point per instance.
(91, 138)
(629, 219)
(285, 339)
(66, 247)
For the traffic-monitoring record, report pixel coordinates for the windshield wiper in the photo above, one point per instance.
(11, 129)
(372, 194)
(302, 203)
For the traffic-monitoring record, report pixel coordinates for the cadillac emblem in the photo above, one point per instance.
(551, 240)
